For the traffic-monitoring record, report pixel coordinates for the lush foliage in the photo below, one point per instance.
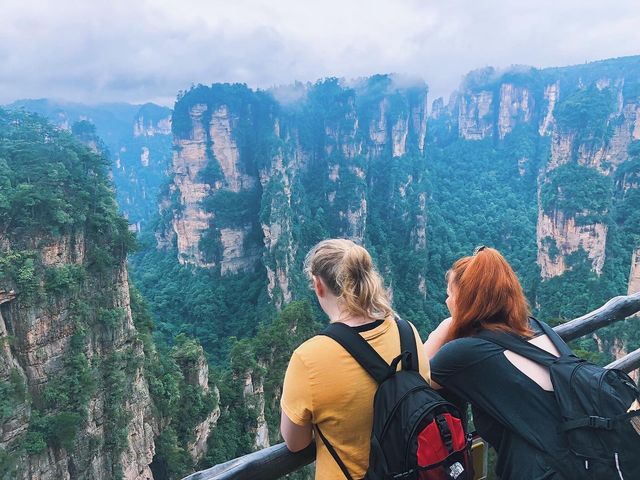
(180, 402)
(63, 249)
(577, 191)
(263, 360)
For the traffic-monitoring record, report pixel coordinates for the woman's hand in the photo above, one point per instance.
(437, 338)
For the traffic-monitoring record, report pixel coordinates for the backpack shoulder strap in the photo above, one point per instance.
(407, 344)
(334, 454)
(359, 349)
(518, 345)
(556, 339)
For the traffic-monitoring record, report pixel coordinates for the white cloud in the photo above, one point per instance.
(149, 49)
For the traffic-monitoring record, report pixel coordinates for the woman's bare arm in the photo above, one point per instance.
(437, 338)
(435, 341)
(297, 437)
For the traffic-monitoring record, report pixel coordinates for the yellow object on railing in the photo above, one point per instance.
(480, 456)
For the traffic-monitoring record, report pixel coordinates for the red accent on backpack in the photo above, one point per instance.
(432, 450)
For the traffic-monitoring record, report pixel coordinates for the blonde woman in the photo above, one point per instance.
(324, 385)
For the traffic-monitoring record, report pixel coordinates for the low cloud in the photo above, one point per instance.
(148, 50)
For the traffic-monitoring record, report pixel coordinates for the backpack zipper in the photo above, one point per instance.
(396, 406)
(618, 466)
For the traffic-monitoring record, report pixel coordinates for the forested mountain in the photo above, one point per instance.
(542, 164)
(137, 139)
(84, 390)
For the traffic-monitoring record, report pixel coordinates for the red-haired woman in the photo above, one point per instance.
(512, 397)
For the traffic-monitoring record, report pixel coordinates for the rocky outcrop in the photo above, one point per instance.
(634, 274)
(210, 147)
(419, 115)
(475, 119)
(254, 397)
(558, 237)
(378, 129)
(551, 95)
(561, 149)
(190, 220)
(235, 256)
(399, 133)
(142, 429)
(44, 335)
(277, 227)
(515, 105)
(226, 152)
(626, 129)
(437, 108)
(199, 376)
(217, 143)
(148, 127)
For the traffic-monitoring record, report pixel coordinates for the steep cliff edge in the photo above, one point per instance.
(79, 379)
(255, 182)
(68, 322)
(585, 120)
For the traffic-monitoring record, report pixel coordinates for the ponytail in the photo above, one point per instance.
(489, 296)
(348, 271)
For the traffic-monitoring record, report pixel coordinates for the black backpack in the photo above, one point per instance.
(417, 435)
(593, 403)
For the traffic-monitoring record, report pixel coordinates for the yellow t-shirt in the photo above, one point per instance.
(324, 385)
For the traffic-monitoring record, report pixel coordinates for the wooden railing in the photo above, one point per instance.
(277, 461)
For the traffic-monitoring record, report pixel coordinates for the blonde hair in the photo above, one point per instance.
(348, 271)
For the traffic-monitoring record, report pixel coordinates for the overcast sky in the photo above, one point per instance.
(147, 50)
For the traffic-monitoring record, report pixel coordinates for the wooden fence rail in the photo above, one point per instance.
(276, 461)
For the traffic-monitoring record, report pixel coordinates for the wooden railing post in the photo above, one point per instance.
(618, 308)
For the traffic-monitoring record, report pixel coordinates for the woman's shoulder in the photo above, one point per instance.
(315, 347)
(462, 353)
(464, 344)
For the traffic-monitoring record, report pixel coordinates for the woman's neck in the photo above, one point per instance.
(351, 320)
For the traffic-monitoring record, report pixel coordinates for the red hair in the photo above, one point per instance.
(489, 296)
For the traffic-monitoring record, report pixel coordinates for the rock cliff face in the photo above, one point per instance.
(475, 119)
(254, 397)
(603, 154)
(551, 94)
(634, 275)
(241, 149)
(207, 163)
(515, 104)
(147, 126)
(197, 375)
(74, 369)
(584, 116)
(558, 237)
(43, 336)
(189, 159)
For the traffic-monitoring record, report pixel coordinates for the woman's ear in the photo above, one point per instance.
(318, 286)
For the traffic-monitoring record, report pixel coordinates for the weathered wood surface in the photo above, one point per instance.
(270, 463)
(277, 461)
(618, 308)
(628, 363)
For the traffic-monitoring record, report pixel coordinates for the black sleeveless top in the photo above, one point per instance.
(511, 411)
